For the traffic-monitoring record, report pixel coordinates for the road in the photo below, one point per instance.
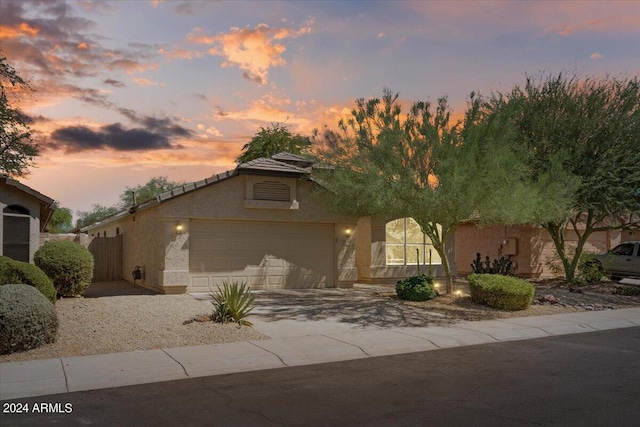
(590, 379)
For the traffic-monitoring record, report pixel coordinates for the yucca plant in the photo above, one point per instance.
(232, 303)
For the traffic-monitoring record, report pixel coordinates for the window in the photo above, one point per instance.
(16, 232)
(625, 249)
(406, 244)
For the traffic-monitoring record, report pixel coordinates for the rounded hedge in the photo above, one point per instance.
(501, 292)
(68, 264)
(18, 272)
(27, 319)
(416, 288)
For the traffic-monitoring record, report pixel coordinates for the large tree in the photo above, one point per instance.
(61, 221)
(17, 149)
(591, 127)
(272, 140)
(424, 166)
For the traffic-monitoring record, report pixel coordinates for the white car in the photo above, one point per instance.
(621, 261)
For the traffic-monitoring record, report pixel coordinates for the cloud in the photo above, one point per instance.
(210, 130)
(149, 133)
(140, 81)
(48, 38)
(114, 83)
(254, 51)
(596, 55)
(113, 136)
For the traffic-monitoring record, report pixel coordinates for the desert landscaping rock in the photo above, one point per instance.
(114, 317)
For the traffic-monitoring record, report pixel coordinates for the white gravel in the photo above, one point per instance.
(116, 317)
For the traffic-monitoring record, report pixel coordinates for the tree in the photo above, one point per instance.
(17, 150)
(592, 129)
(61, 221)
(155, 186)
(421, 165)
(97, 213)
(273, 140)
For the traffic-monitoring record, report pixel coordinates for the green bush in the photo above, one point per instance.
(589, 270)
(416, 288)
(18, 272)
(501, 292)
(27, 319)
(68, 264)
(627, 290)
(232, 303)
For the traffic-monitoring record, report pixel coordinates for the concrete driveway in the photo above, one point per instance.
(289, 313)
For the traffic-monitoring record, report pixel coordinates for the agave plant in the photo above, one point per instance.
(232, 303)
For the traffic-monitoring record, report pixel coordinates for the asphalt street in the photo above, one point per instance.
(589, 379)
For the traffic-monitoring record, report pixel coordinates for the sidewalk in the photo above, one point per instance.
(291, 345)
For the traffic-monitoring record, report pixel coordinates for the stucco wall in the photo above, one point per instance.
(489, 241)
(535, 252)
(11, 196)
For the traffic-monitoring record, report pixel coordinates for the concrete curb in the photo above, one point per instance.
(54, 376)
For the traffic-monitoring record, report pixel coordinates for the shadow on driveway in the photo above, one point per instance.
(355, 307)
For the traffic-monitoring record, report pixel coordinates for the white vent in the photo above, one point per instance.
(271, 190)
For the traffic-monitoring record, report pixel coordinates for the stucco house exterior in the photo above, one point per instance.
(529, 247)
(260, 224)
(25, 214)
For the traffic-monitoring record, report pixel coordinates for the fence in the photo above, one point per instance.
(107, 253)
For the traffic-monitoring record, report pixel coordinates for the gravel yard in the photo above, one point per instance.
(117, 317)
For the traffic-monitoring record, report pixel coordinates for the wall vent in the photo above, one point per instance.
(271, 190)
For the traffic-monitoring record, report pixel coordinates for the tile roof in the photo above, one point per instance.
(266, 164)
(262, 164)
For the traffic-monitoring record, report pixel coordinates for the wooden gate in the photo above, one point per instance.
(107, 254)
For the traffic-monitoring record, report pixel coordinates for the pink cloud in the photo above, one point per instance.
(254, 51)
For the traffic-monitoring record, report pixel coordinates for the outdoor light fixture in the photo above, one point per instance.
(179, 228)
(348, 231)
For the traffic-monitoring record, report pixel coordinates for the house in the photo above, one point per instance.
(262, 224)
(25, 214)
(529, 247)
(259, 223)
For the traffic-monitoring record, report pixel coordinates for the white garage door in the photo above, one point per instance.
(262, 254)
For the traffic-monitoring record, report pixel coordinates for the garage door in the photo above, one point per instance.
(262, 254)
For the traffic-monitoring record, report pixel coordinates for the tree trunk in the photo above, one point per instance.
(439, 243)
(557, 232)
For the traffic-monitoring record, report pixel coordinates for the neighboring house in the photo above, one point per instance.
(529, 247)
(25, 214)
(259, 223)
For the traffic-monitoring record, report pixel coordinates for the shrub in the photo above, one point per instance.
(232, 303)
(589, 270)
(627, 290)
(18, 272)
(501, 292)
(68, 264)
(416, 288)
(27, 319)
(499, 266)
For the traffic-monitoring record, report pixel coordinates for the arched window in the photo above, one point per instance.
(406, 244)
(16, 232)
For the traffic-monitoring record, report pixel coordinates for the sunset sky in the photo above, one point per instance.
(127, 90)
